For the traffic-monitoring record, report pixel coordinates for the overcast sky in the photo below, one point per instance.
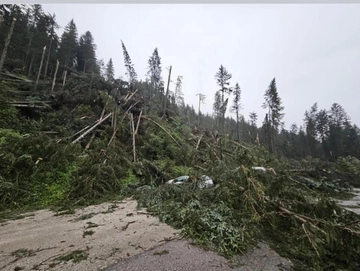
(312, 50)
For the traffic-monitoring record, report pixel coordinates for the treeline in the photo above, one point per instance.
(325, 134)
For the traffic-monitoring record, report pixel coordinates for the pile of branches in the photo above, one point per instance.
(247, 206)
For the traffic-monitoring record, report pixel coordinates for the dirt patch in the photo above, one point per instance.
(90, 239)
(180, 255)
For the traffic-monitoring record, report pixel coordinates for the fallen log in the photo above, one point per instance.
(92, 128)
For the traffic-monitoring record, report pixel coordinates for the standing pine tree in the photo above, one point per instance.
(236, 107)
(322, 128)
(68, 45)
(202, 98)
(274, 115)
(222, 79)
(253, 120)
(129, 65)
(337, 122)
(217, 106)
(52, 34)
(109, 71)
(86, 57)
(310, 128)
(178, 95)
(154, 72)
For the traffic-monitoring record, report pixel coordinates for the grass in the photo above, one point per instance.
(5, 216)
(85, 217)
(89, 232)
(162, 252)
(22, 253)
(91, 225)
(66, 212)
(76, 256)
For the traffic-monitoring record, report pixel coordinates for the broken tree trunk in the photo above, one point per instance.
(31, 65)
(64, 81)
(41, 64)
(56, 70)
(92, 128)
(7, 43)
(101, 117)
(167, 92)
(138, 123)
(47, 60)
(198, 143)
(133, 135)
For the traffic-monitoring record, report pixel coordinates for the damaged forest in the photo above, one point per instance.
(71, 135)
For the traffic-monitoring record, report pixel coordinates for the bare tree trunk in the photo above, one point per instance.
(237, 125)
(133, 135)
(56, 70)
(7, 43)
(31, 64)
(199, 112)
(92, 128)
(41, 64)
(47, 60)
(64, 81)
(167, 92)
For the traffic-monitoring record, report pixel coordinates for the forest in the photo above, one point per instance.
(71, 134)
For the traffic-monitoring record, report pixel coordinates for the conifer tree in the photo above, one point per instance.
(310, 127)
(109, 72)
(222, 79)
(129, 65)
(202, 98)
(236, 107)
(68, 45)
(154, 72)
(86, 57)
(178, 95)
(274, 115)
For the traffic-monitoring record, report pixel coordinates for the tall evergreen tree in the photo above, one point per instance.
(86, 56)
(154, 72)
(274, 115)
(68, 45)
(129, 65)
(178, 95)
(322, 128)
(236, 107)
(53, 41)
(337, 120)
(222, 79)
(109, 72)
(253, 120)
(310, 127)
(202, 98)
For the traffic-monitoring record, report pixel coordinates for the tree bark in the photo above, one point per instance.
(92, 128)
(167, 92)
(47, 60)
(133, 135)
(41, 64)
(64, 81)
(56, 70)
(7, 43)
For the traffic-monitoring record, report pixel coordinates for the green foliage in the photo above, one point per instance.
(74, 256)
(249, 205)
